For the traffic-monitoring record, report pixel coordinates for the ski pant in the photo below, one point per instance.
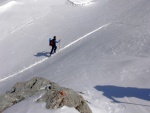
(53, 49)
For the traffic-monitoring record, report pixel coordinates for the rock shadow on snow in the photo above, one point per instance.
(113, 92)
(41, 54)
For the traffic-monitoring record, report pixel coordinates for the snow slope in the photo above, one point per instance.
(104, 52)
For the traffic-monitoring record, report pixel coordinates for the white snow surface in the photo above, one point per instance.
(104, 51)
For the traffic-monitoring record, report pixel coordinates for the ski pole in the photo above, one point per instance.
(59, 45)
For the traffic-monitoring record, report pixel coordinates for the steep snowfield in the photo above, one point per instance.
(104, 52)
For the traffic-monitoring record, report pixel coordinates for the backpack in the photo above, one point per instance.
(51, 42)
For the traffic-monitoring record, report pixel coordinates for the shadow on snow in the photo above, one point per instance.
(113, 92)
(40, 54)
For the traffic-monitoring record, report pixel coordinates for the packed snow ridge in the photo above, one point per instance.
(81, 2)
(8, 5)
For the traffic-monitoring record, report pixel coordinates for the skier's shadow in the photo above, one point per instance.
(40, 54)
(113, 92)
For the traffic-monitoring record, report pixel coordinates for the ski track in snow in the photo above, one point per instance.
(41, 61)
(26, 24)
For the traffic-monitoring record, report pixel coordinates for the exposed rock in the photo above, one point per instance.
(55, 96)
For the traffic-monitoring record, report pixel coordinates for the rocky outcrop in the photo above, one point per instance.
(79, 2)
(55, 96)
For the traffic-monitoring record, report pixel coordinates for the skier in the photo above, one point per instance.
(53, 44)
